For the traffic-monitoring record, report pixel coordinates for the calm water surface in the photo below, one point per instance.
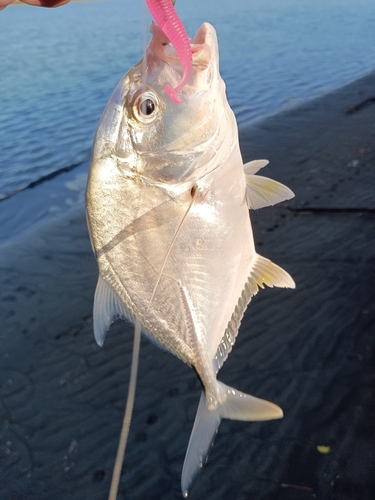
(58, 67)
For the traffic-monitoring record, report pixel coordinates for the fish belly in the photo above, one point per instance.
(185, 300)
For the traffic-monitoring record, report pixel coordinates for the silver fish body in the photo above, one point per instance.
(167, 208)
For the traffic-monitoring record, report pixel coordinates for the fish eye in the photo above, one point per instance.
(145, 107)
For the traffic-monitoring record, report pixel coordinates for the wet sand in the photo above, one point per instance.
(312, 350)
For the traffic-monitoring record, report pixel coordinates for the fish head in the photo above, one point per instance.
(151, 136)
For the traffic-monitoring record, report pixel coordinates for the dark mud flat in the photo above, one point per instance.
(312, 350)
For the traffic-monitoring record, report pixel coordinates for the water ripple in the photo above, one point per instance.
(61, 66)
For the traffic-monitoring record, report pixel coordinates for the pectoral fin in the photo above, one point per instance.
(252, 167)
(107, 308)
(261, 191)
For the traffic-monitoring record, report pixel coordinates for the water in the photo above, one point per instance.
(58, 68)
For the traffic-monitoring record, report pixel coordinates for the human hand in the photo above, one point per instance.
(38, 3)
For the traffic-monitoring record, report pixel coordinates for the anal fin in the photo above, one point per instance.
(107, 308)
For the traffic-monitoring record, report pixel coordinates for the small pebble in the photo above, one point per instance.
(353, 163)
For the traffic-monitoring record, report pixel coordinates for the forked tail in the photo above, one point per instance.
(234, 405)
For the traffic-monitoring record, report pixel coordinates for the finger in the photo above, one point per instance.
(44, 3)
(5, 3)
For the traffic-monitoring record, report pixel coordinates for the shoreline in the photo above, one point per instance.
(311, 350)
(50, 198)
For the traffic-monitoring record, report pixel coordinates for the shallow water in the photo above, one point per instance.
(58, 67)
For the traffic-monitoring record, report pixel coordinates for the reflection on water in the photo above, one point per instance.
(58, 67)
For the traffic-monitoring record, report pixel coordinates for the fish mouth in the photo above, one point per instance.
(187, 138)
(203, 46)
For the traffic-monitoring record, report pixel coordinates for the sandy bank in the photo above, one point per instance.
(312, 351)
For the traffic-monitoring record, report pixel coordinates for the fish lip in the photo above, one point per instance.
(203, 46)
(204, 34)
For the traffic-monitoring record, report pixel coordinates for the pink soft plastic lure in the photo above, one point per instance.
(168, 21)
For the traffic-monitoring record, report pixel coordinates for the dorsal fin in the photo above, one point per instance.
(264, 272)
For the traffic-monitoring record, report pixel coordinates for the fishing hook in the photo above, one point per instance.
(166, 18)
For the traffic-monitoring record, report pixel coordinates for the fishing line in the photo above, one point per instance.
(193, 195)
(146, 18)
(128, 413)
(137, 331)
(136, 343)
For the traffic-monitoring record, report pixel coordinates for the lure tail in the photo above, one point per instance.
(234, 405)
(168, 21)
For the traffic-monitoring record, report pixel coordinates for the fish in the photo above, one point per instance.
(167, 205)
